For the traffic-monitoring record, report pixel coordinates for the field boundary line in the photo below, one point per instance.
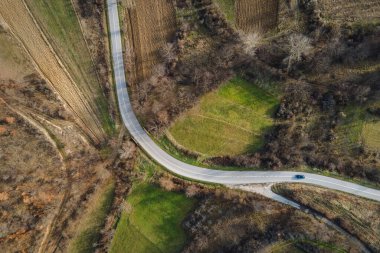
(225, 122)
(85, 104)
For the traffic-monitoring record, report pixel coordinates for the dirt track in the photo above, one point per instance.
(22, 24)
(256, 15)
(149, 25)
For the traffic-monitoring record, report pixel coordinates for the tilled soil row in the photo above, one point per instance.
(22, 24)
(150, 24)
(256, 15)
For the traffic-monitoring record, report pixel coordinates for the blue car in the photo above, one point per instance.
(299, 177)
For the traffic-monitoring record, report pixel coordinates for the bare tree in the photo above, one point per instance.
(299, 46)
(361, 94)
(250, 41)
(143, 90)
(168, 51)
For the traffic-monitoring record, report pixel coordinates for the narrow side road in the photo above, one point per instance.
(197, 173)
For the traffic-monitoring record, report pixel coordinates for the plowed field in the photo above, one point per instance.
(18, 17)
(256, 15)
(149, 25)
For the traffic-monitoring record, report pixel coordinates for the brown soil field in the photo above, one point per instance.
(256, 15)
(350, 10)
(358, 216)
(22, 24)
(149, 24)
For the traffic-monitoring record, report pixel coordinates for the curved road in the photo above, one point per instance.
(197, 173)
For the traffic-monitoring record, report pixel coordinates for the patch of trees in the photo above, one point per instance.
(374, 110)
(299, 100)
(230, 221)
(316, 47)
(92, 13)
(171, 91)
(191, 67)
(309, 113)
(212, 19)
(348, 46)
(300, 140)
(309, 15)
(88, 7)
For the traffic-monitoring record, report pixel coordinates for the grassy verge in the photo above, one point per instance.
(152, 221)
(228, 8)
(229, 121)
(89, 229)
(166, 145)
(59, 22)
(336, 175)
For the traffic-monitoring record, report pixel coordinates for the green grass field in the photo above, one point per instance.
(371, 135)
(88, 231)
(228, 8)
(350, 130)
(154, 223)
(59, 22)
(229, 121)
(358, 128)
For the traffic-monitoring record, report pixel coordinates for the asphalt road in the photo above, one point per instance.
(197, 173)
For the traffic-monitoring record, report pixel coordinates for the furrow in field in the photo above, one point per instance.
(256, 15)
(150, 24)
(22, 24)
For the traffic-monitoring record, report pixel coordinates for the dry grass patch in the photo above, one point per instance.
(350, 10)
(357, 215)
(13, 63)
(59, 23)
(250, 15)
(89, 229)
(22, 24)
